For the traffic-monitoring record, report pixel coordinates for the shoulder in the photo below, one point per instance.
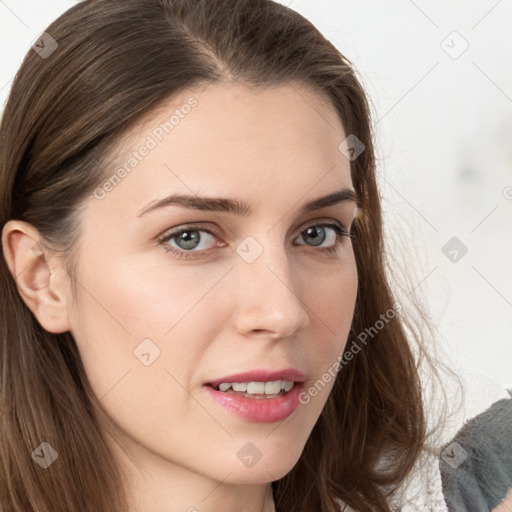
(480, 472)
(421, 491)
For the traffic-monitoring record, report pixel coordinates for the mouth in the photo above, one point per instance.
(259, 383)
(260, 395)
(257, 390)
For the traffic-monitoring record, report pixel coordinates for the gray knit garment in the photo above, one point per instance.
(483, 447)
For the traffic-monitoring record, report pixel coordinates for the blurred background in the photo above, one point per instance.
(439, 77)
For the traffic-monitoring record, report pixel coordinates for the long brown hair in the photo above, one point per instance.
(115, 61)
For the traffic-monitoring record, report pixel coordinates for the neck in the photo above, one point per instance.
(155, 484)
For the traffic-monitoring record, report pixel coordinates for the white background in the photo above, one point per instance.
(443, 129)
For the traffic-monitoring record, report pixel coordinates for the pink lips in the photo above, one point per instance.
(260, 410)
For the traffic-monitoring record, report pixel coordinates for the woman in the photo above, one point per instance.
(196, 312)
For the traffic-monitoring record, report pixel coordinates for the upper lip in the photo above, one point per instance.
(288, 374)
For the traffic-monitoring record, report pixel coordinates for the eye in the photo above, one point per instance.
(193, 241)
(317, 234)
(187, 239)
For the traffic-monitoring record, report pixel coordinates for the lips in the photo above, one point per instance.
(288, 374)
(258, 408)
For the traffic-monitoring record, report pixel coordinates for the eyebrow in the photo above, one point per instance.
(221, 204)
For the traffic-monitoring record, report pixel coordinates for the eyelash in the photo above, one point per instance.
(341, 232)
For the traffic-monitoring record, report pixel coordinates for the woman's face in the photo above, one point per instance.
(162, 316)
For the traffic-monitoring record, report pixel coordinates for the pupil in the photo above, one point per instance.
(188, 239)
(317, 238)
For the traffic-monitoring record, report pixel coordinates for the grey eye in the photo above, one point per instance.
(315, 234)
(189, 239)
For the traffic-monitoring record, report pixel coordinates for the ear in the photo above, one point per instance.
(40, 280)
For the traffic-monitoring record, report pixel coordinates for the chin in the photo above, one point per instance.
(252, 465)
(258, 475)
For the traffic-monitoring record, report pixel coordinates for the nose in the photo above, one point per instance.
(268, 296)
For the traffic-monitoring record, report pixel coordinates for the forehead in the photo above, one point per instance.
(231, 138)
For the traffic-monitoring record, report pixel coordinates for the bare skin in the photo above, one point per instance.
(214, 314)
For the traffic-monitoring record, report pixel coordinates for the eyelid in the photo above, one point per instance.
(189, 227)
(321, 220)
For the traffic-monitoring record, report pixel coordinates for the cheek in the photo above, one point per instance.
(331, 308)
(140, 335)
(145, 300)
(127, 310)
(331, 305)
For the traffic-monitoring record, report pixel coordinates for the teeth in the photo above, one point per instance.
(258, 388)
(272, 388)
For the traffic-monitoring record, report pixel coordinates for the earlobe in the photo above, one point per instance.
(40, 280)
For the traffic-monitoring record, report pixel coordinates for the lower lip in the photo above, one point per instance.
(259, 410)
